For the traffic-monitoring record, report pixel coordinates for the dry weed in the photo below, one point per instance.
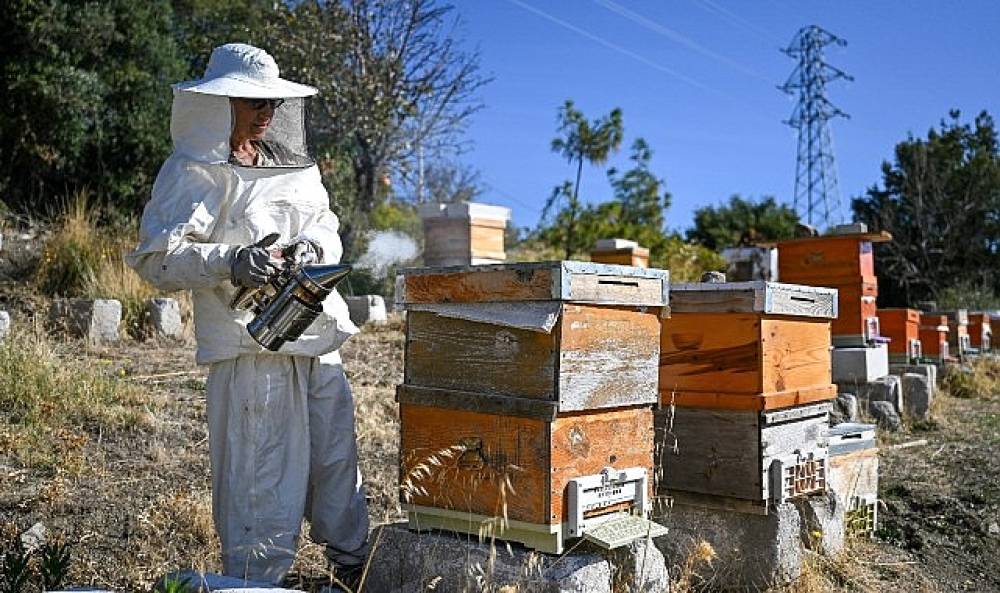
(977, 379)
(687, 573)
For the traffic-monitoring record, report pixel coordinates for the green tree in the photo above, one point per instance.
(86, 99)
(940, 200)
(580, 141)
(742, 222)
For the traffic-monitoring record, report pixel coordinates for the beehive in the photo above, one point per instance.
(845, 262)
(959, 340)
(934, 336)
(463, 233)
(980, 331)
(746, 346)
(902, 327)
(853, 474)
(620, 251)
(518, 379)
(742, 460)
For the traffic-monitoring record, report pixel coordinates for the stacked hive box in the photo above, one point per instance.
(744, 376)
(463, 233)
(934, 336)
(959, 341)
(980, 331)
(751, 263)
(620, 251)
(844, 262)
(527, 386)
(902, 327)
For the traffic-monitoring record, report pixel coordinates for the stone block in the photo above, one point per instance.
(845, 409)
(887, 389)
(406, 561)
(885, 415)
(822, 522)
(753, 552)
(94, 320)
(165, 317)
(917, 395)
(205, 582)
(860, 365)
(928, 370)
(368, 308)
(4, 324)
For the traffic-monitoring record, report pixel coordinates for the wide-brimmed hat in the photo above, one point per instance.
(241, 70)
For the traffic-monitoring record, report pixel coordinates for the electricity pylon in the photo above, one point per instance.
(815, 172)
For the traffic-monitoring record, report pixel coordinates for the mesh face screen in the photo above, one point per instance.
(284, 142)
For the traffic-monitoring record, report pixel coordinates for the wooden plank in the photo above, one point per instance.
(544, 538)
(748, 401)
(594, 288)
(501, 405)
(718, 452)
(487, 241)
(499, 285)
(477, 463)
(711, 352)
(587, 442)
(479, 357)
(714, 503)
(608, 357)
(795, 353)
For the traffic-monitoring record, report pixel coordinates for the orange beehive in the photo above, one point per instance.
(746, 346)
(934, 335)
(902, 327)
(844, 262)
(980, 331)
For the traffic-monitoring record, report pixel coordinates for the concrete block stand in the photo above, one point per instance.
(860, 365)
(165, 317)
(409, 562)
(95, 320)
(368, 308)
(753, 552)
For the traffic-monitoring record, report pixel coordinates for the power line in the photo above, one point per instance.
(613, 46)
(678, 37)
(736, 19)
(815, 169)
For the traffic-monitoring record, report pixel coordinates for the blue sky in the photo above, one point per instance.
(697, 79)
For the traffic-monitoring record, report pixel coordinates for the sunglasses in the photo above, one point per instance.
(258, 104)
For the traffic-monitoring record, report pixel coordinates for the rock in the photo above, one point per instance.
(405, 561)
(822, 522)
(885, 415)
(95, 320)
(753, 552)
(35, 537)
(888, 389)
(368, 308)
(845, 409)
(994, 528)
(4, 324)
(203, 582)
(917, 395)
(927, 370)
(165, 317)
(713, 277)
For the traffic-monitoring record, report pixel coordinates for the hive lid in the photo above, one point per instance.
(569, 281)
(773, 298)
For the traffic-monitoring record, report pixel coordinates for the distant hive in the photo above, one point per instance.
(463, 233)
(620, 251)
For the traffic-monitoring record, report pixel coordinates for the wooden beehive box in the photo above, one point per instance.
(519, 378)
(902, 327)
(746, 345)
(620, 251)
(727, 458)
(980, 331)
(468, 460)
(934, 335)
(959, 340)
(584, 335)
(463, 233)
(845, 262)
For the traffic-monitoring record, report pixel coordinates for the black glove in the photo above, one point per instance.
(252, 265)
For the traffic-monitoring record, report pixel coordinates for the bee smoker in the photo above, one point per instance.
(291, 300)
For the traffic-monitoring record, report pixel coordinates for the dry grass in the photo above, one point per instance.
(978, 379)
(50, 400)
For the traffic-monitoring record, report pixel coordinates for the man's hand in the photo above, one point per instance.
(252, 265)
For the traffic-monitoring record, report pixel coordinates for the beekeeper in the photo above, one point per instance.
(281, 425)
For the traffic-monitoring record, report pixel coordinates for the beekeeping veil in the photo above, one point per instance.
(202, 117)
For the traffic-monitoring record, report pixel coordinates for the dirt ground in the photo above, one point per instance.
(135, 503)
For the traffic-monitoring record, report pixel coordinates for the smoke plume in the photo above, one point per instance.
(386, 248)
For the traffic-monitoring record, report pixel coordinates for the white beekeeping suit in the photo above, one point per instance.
(281, 425)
